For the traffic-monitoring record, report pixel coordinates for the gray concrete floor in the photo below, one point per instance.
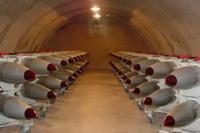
(96, 103)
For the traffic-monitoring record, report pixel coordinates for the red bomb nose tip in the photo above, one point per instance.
(148, 101)
(171, 80)
(149, 71)
(75, 75)
(128, 81)
(128, 62)
(71, 79)
(136, 91)
(64, 63)
(169, 121)
(70, 60)
(137, 67)
(124, 77)
(30, 113)
(51, 67)
(124, 60)
(63, 84)
(120, 73)
(51, 95)
(76, 59)
(79, 71)
(29, 75)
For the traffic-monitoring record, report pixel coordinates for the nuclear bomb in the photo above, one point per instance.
(11, 72)
(128, 75)
(182, 114)
(63, 75)
(52, 82)
(39, 66)
(160, 97)
(37, 91)
(146, 88)
(184, 77)
(160, 69)
(136, 80)
(15, 108)
(54, 60)
(141, 66)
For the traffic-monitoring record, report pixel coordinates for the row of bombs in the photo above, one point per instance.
(41, 79)
(157, 84)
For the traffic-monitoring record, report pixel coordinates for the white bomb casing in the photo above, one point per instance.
(160, 97)
(141, 66)
(37, 91)
(183, 78)
(11, 72)
(13, 107)
(39, 66)
(146, 88)
(182, 114)
(55, 60)
(136, 80)
(52, 82)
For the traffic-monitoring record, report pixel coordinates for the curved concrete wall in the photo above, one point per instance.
(167, 26)
(99, 40)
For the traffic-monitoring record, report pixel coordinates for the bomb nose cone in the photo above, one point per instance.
(51, 95)
(30, 113)
(75, 75)
(128, 81)
(70, 60)
(82, 69)
(128, 62)
(51, 67)
(63, 84)
(71, 79)
(136, 91)
(171, 80)
(29, 75)
(64, 63)
(137, 67)
(149, 71)
(124, 60)
(148, 101)
(124, 77)
(169, 121)
(79, 71)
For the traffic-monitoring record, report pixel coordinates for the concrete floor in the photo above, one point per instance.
(96, 103)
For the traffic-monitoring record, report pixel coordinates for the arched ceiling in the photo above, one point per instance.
(167, 26)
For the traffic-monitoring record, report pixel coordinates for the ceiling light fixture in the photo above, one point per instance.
(95, 9)
(97, 16)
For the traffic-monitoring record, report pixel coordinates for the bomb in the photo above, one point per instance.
(39, 66)
(146, 88)
(63, 75)
(182, 114)
(137, 59)
(68, 59)
(160, 97)
(141, 66)
(15, 108)
(184, 77)
(123, 71)
(128, 75)
(54, 60)
(11, 72)
(52, 82)
(73, 68)
(37, 91)
(136, 80)
(160, 69)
